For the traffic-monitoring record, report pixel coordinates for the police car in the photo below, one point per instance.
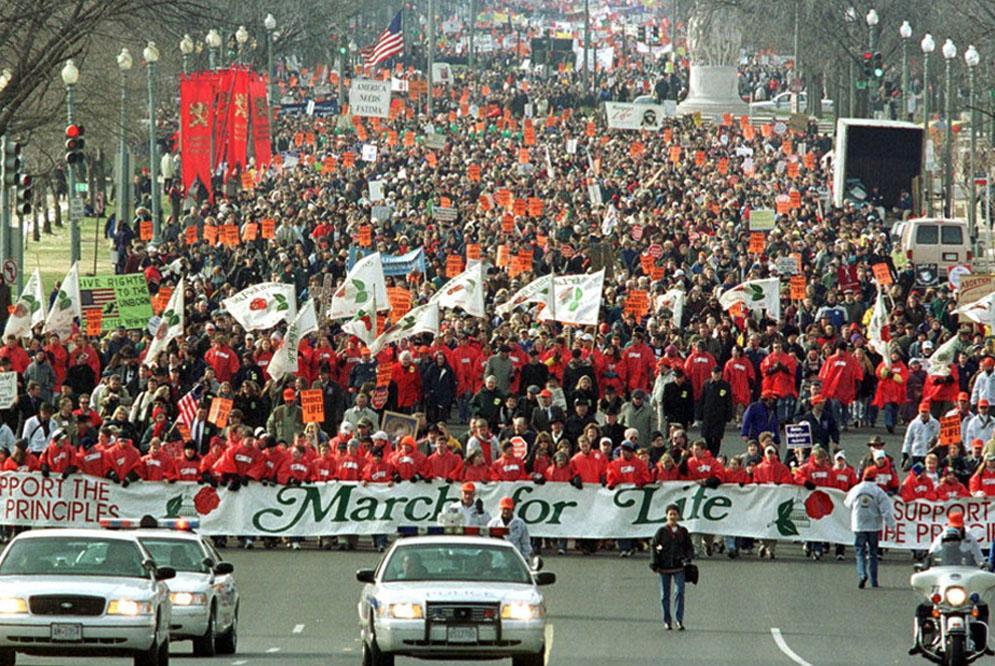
(453, 593)
(83, 593)
(203, 593)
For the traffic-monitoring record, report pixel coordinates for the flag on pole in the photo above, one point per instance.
(423, 319)
(576, 299)
(170, 325)
(939, 362)
(363, 325)
(755, 295)
(466, 291)
(284, 361)
(539, 290)
(363, 286)
(67, 305)
(878, 333)
(188, 406)
(674, 300)
(389, 44)
(28, 311)
(263, 305)
(981, 311)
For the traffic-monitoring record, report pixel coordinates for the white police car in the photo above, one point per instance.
(453, 593)
(203, 594)
(83, 593)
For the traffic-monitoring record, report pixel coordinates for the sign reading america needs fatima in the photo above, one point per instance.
(369, 98)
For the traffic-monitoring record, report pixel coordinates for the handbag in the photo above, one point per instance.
(691, 573)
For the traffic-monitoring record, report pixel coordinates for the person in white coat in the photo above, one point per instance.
(870, 510)
(980, 426)
(472, 507)
(518, 532)
(984, 382)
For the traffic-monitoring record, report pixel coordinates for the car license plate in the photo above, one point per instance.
(67, 632)
(461, 634)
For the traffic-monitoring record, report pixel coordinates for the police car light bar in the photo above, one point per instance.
(183, 524)
(451, 530)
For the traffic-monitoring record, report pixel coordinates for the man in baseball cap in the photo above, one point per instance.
(472, 507)
(518, 532)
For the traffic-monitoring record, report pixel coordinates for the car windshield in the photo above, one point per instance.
(455, 562)
(181, 554)
(65, 556)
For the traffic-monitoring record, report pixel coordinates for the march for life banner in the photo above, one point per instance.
(788, 513)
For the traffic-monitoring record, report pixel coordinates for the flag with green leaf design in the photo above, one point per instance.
(67, 305)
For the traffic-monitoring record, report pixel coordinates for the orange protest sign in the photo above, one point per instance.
(220, 409)
(409, 139)
(589, 129)
(809, 160)
(502, 259)
(726, 120)
(749, 133)
(312, 405)
(656, 273)
(523, 156)
(328, 164)
(758, 242)
(949, 430)
(699, 158)
(454, 265)
(473, 172)
(145, 230)
(384, 372)
(269, 228)
(161, 299)
(668, 135)
(792, 169)
(391, 138)
(882, 274)
(535, 207)
(798, 287)
(519, 265)
(94, 321)
(349, 159)
(503, 198)
(637, 303)
(508, 223)
(210, 234)
(432, 160)
(250, 231)
(365, 235)
(247, 182)
(646, 262)
(636, 149)
(723, 166)
(519, 207)
(529, 135)
(795, 199)
(782, 204)
(675, 154)
(473, 251)
(400, 302)
(229, 235)
(190, 234)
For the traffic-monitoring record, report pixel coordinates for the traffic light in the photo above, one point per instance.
(878, 65)
(642, 34)
(11, 161)
(868, 64)
(74, 144)
(23, 200)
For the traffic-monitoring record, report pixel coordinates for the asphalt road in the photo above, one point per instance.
(300, 608)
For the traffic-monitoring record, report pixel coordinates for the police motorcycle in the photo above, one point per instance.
(952, 627)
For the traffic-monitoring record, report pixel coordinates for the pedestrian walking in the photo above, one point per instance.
(671, 551)
(870, 510)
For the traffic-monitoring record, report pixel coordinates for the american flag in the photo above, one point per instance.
(389, 44)
(98, 299)
(188, 406)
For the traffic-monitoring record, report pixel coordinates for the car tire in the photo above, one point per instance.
(537, 659)
(8, 657)
(227, 643)
(164, 653)
(206, 645)
(378, 658)
(152, 656)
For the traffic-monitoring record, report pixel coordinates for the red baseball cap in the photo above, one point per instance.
(955, 519)
(469, 487)
(963, 396)
(506, 503)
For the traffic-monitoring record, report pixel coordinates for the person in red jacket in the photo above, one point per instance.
(843, 476)
(323, 466)
(559, 471)
(816, 472)
(698, 368)
(188, 467)
(950, 486)
(379, 471)
(157, 464)
(779, 371)
(917, 485)
(508, 466)
(639, 363)
(351, 465)
(123, 462)
(666, 469)
(735, 473)
(241, 463)
(840, 375)
(887, 476)
(475, 468)
(272, 457)
(59, 457)
(702, 466)
(20, 459)
(627, 469)
(19, 359)
(741, 375)
(893, 389)
(771, 471)
(294, 470)
(408, 380)
(408, 461)
(588, 465)
(93, 461)
(222, 359)
(443, 464)
(216, 450)
(982, 483)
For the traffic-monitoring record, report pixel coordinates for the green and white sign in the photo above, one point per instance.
(123, 299)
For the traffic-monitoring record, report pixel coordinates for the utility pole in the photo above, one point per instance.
(470, 58)
(587, 44)
(431, 57)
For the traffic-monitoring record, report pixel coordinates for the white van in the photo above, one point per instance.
(936, 240)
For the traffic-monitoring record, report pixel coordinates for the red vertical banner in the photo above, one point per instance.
(260, 122)
(238, 123)
(225, 80)
(197, 119)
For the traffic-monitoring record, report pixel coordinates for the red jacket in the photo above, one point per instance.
(893, 385)
(123, 459)
(509, 468)
(779, 372)
(589, 467)
(737, 476)
(350, 467)
(632, 470)
(323, 468)
(983, 481)
(820, 475)
(942, 389)
(157, 467)
(480, 472)
(92, 462)
(775, 472)
(704, 467)
(224, 361)
(187, 469)
(408, 464)
(840, 375)
(408, 383)
(739, 372)
(271, 461)
(469, 371)
(612, 373)
(844, 479)
(887, 477)
(660, 474)
(446, 466)
(918, 487)
(19, 359)
(558, 474)
(58, 458)
(639, 364)
(698, 367)
(241, 460)
(28, 464)
(378, 471)
(946, 491)
(292, 468)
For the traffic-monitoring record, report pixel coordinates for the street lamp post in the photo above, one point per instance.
(431, 58)
(213, 40)
(241, 37)
(928, 46)
(872, 88)
(905, 32)
(186, 48)
(70, 76)
(971, 58)
(949, 53)
(270, 24)
(151, 55)
(124, 62)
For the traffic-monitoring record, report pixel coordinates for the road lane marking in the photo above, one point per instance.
(549, 643)
(298, 628)
(272, 650)
(785, 648)
(240, 662)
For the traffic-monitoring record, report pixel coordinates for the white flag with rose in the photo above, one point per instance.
(285, 358)
(263, 306)
(170, 324)
(423, 319)
(576, 299)
(29, 309)
(466, 291)
(755, 295)
(364, 285)
(539, 290)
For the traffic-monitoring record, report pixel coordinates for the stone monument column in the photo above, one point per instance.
(714, 40)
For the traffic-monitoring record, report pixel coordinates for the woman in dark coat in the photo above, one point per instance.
(671, 550)
(439, 388)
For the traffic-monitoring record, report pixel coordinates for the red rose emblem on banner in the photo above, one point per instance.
(206, 500)
(257, 304)
(818, 504)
